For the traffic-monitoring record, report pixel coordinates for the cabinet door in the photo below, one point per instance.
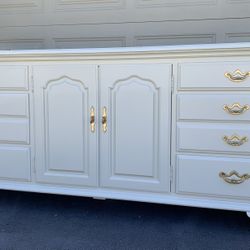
(65, 146)
(135, 149)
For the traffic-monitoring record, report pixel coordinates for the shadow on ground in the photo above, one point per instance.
(38, 221)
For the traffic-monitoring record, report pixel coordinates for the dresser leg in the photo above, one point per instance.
(248, 214)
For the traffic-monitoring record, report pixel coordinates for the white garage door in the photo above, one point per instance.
(29, 24)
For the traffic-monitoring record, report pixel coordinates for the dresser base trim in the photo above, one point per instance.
(167, 198)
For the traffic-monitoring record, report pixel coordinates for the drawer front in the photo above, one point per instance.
(213, 137)
(13, 77)
(212, 75)
(14, 105)
(14, 131)
(15, 163)
(200, 106)
(201, 175)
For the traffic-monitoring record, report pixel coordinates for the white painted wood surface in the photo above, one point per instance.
(13, 77)
(135, 150)
(66, 149)
(211, 75)
(14, 105)
(15, 163)
(175, 51)
(209, 136)
(210, 106)
(14, 130)
(164, 133)
(200, 175)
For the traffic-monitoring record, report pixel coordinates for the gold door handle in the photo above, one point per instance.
(92, 119)
(238, 180)
(236, 109)
(237, 76)
(104, 120)
(235, 140)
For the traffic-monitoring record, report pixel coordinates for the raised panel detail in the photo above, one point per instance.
(134, 150)
(130, 134)
(67, 147)
(65, 110)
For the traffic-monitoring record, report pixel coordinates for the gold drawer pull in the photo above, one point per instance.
(104, 120)
(236, 109)
(92, 119)
(235, 140)
(238, 180)
(237, 76)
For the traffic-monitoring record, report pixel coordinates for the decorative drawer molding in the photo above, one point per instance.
(14, 131)
(15, 163)
(14, 105)
(212, 106)
(13, 77)
(201, 175)
(210, 137)
(226, 74)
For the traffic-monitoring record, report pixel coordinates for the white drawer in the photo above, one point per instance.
(212, 75)
(14, 131)
(15, 163)
(201, 175)
(210, 137)
(213, 106)
(14, 77)
(14, 105)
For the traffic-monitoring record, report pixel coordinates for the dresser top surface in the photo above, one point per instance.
(147, 50)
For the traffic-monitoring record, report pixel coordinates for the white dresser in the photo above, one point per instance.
(168, 125)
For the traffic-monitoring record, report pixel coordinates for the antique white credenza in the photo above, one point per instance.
(168, 125)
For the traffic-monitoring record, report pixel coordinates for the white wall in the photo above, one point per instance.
(29, 24)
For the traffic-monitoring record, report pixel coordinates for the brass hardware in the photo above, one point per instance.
(104, 120)
(236, 109)
(92, 119)
(235, 140)
(237, 76)
(240, 178)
